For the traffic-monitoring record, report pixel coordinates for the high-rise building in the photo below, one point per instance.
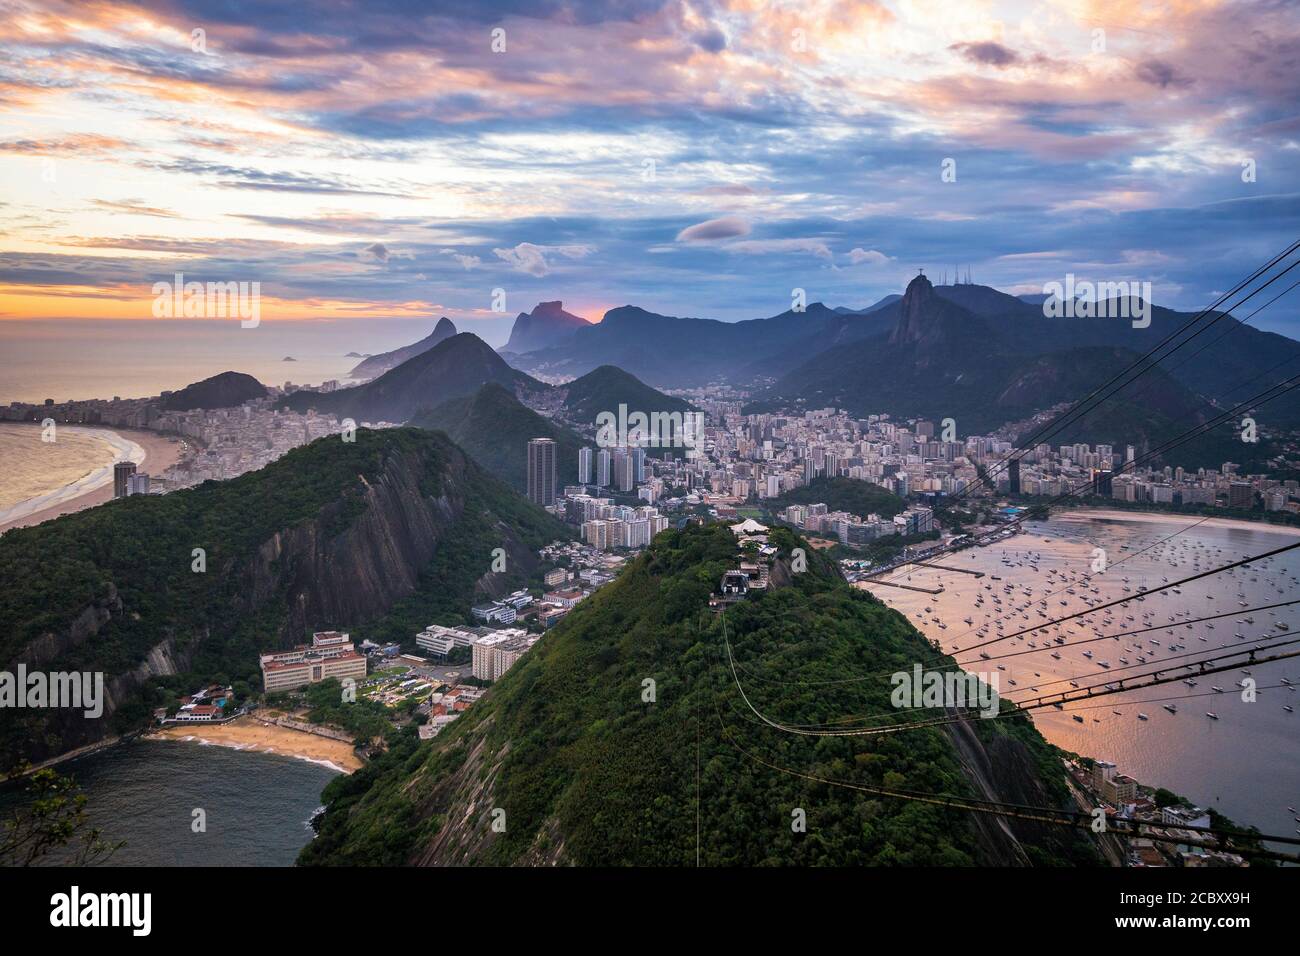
(138, 484)
(584, 466)
(1013, 476)
(122, 472)
(624, 469)
(1241, 494)
(603, 464)
(541, 471)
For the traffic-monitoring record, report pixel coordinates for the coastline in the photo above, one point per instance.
(158, 451)
(244, 733)
(1165, 517)
(1209, 761)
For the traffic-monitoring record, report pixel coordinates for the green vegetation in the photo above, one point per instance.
(494, 428)
(572, 752)
(50, 820)
(140, 548)
(603, 389)
(364, 719)
(853, 495)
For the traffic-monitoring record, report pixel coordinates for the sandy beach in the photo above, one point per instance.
(244, 733)
(1162, 517)
(150, 451)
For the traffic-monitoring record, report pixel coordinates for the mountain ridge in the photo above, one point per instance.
(376, 365)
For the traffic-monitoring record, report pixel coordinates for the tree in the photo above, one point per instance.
(53, 817)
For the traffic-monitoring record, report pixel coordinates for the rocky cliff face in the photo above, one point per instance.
(321, 575)
(548, 324)
(360, 554)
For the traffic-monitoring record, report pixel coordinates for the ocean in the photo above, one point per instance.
(74, 359)
(257, 805)
(1245, 763)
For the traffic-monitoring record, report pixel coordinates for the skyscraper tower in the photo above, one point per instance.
(1013, 476)
(122, 471)
(541, 471)
(603, 460)
(584, 466)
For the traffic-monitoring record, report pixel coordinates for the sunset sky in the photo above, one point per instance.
(694, 158)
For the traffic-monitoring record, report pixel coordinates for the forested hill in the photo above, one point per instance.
(494, 427)
(396, 526)
(853, 495)
(577, 763)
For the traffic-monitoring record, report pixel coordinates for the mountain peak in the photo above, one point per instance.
(377, 365)
(545, 326)
(929, 320)
(919, 286)
(224, 390)
(916, 312)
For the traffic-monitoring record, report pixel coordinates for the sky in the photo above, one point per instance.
(418, 159)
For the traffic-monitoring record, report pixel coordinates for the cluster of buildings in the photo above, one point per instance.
(606, 525)
(330, 654)
(853, 530)
(128, 481)
(223, 442)
(493, 651)
(228, 442)
(202, 707)
(752, 572)
(1103, 471)
(740, 458)
(1123, 798)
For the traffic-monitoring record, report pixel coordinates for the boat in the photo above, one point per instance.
(1143, 717)
(1212, 715)
(1078, 718)
(1173, 709)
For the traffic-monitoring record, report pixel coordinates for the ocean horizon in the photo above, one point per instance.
(78, 359)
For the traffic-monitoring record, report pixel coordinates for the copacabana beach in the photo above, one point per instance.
(34, 467)
(43, 480)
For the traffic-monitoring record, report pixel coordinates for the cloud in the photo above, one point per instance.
(135, 207)
(1161, 74)
(988, 53)
(531, 259)
(873, 257)
(814, 247)
(728, 227)
(375, 252)
(467, 261)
